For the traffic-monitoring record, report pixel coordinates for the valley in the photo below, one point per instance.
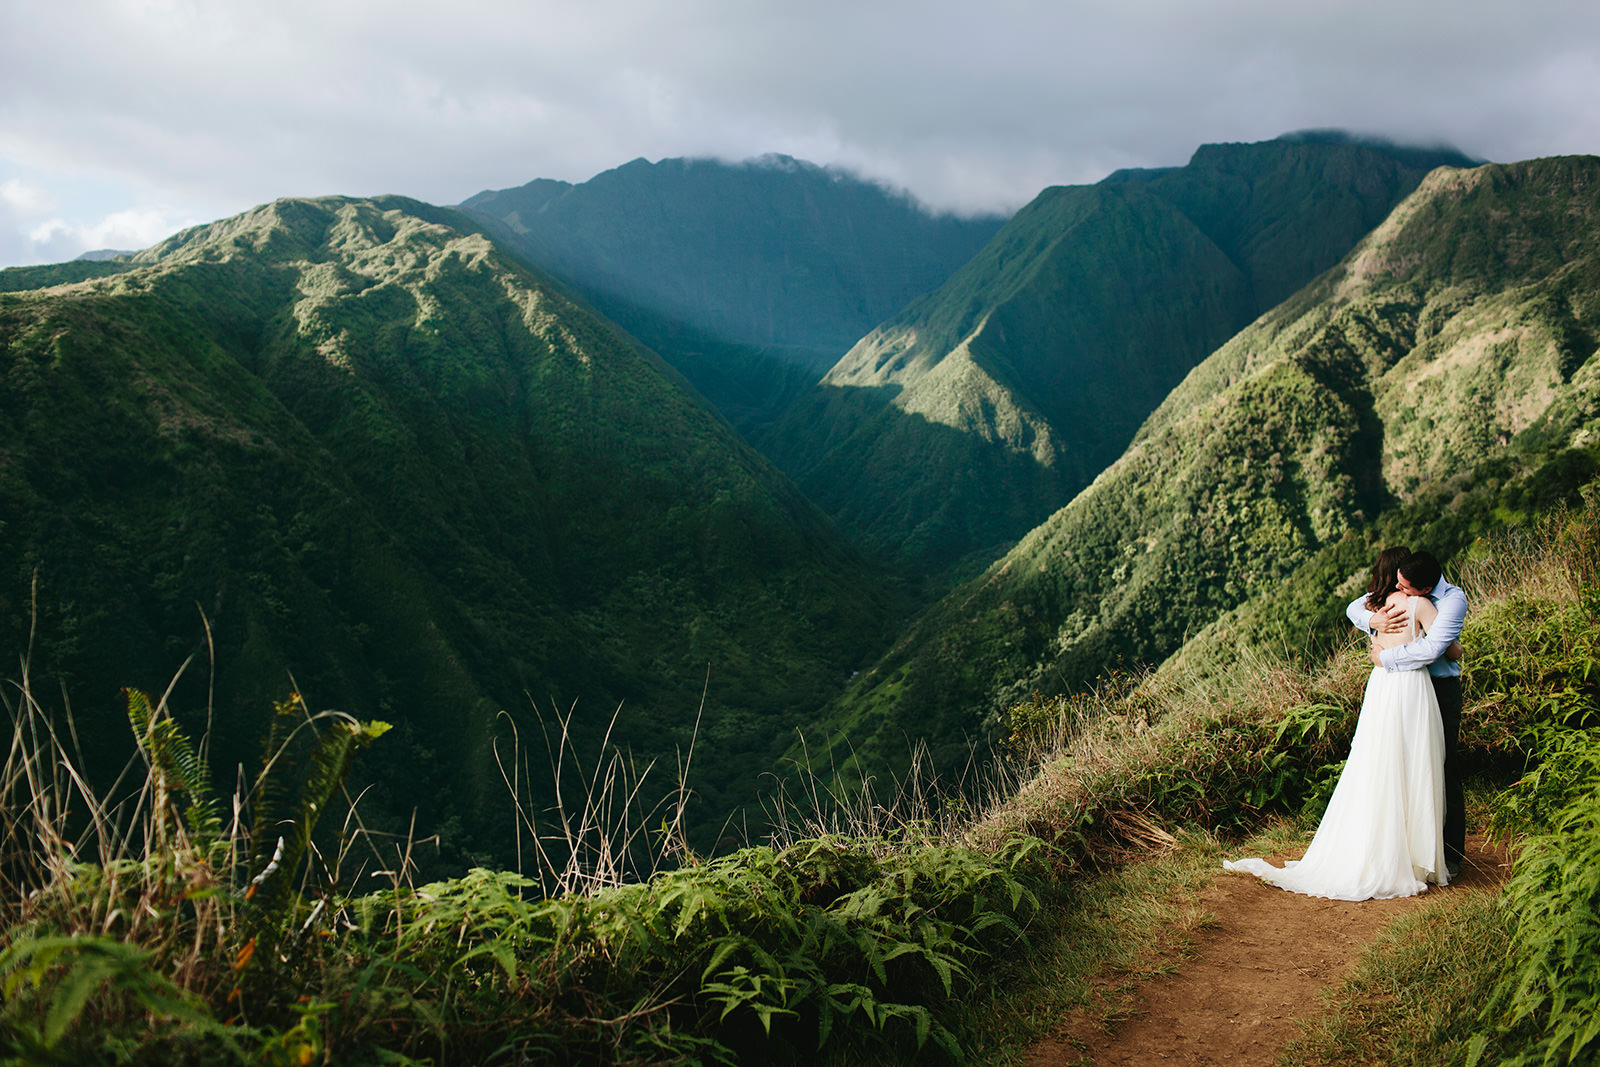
(728, 610)
(364, 446)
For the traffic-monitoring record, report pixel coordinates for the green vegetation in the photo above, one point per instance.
(989, 404)
(149, 934)
(155, 934)
(339, 439)
(1434, 387)
(16, 279)
(769, 252)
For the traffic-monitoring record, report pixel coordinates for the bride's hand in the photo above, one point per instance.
(1374, 652)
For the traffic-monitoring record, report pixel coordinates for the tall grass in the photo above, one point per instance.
(159, 923)
(599, 831)
(1117, 769)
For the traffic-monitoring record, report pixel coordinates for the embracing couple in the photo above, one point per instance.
(1396, 821)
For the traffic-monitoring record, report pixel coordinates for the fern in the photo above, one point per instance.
(71, 974)
(289, 802)
(1552, 984)
(174, 766)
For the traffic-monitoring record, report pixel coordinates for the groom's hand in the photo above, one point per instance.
(1388, 620)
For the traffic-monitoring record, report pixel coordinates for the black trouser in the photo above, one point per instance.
(1448, 690)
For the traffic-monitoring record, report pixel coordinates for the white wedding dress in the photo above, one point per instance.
(1383, 833)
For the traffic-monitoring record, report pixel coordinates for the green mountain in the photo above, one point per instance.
(1446, 364)
(378, 454)
(750, 278)
(774, 252)
(959, 424)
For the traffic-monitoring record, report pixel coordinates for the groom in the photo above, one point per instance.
(1420, 575)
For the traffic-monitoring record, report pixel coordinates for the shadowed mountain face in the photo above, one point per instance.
(1033, 366)
(1453, 343)
(774, 254)
(379, 455)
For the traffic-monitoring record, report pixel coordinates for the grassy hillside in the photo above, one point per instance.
(15, 279)
(370, 451)
(1034, 365)
(1452, 347)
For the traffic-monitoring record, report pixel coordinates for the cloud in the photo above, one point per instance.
(31, 233)
(23, 200)
(969, 105)
(124, 230)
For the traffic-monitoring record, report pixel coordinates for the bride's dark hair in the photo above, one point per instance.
(1385, 576)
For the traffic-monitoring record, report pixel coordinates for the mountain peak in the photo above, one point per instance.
(1227, 155)
(787, 164)
(771, 251)
(1329, 135)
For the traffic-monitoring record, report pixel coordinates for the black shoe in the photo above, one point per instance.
(1453, 870)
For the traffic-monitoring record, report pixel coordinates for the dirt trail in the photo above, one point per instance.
(1256, 971)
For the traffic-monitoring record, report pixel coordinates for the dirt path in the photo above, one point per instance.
(1257, 970)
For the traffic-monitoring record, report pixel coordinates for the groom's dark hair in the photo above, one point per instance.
(1421, 570)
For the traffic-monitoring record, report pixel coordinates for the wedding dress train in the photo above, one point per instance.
(1383, 833)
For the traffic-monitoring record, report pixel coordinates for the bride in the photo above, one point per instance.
(1383, 833)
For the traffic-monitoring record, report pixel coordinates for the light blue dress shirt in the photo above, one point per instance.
(1426, 650)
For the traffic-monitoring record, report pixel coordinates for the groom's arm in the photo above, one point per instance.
(1430, 646)
(1359, 616)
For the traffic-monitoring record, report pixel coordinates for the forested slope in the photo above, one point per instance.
(373, 453)
(1455, 344)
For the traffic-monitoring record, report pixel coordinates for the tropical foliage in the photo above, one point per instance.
(159, 934)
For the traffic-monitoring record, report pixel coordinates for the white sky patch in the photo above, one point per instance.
(109, 106)
(24, 200)
(30, 234)
(126, 230)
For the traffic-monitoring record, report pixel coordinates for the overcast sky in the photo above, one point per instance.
(123, 120)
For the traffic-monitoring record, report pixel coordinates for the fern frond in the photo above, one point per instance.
(175, 766)
(288, 806)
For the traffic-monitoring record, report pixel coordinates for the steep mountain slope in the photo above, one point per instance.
(1033, 366)
(378, 454)
(1457, 337)
(735, 273)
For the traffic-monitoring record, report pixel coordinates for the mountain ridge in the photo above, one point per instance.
(768, 252)
(1458, 335)
(390, 459)
(1089, 305)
